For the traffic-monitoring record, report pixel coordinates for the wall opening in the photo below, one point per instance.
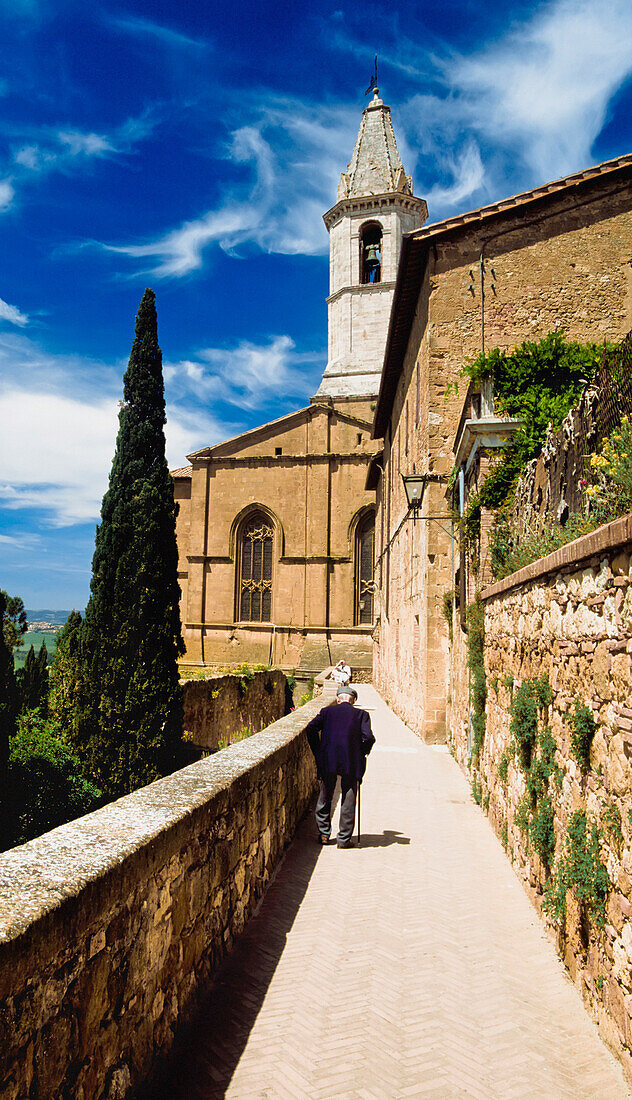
(365, 555)
(371, 253)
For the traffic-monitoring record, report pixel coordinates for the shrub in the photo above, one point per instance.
(579, 868)
(46, 784)
(539, 383)
(583, 729)
(447, 610)
(503, 766)
(524, 722)
(542, 831)
(476, 666)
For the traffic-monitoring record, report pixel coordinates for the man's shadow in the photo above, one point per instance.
(382, 840)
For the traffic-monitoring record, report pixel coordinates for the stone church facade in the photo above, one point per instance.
(276, 527)
(557, 257)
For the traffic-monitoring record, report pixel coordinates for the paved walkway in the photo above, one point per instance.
(413, 966)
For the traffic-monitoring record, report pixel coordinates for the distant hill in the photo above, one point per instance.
(45, 615)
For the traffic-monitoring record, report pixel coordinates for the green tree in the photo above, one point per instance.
(8, 700)
(14, 623)
(129, 725)
(46, 785)
(63, 693)
(33, 680)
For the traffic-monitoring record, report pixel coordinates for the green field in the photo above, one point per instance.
(35, 638)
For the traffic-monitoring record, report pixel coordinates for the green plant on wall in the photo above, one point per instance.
(535, 748)
(537, 383)
(524, 722)
(610, 494)
(447, 610)
(583, 729)
(579, 868)
(476, 666)
(611, 820)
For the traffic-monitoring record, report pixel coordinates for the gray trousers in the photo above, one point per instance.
(349, 786)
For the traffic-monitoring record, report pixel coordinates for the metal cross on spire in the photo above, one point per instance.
(373, 83)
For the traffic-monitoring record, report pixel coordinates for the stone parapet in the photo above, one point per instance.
(226, 707)
(112, 925)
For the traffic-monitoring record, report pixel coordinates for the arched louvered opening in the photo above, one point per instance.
(371, 253)
(254, 592)
(365, 549)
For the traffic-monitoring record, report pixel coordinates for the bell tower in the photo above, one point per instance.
(375, 206)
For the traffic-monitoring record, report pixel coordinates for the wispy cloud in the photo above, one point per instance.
(529, 107)
(294, 155)
(12, 314)
(66, 149)
(247, 375)
(148, 28)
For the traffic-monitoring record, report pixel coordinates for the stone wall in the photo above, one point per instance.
(568, 617)
(112, 925)
(224, 708)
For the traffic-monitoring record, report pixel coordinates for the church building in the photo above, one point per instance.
(276, 527)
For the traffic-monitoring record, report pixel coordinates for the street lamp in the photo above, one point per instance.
(414, 486)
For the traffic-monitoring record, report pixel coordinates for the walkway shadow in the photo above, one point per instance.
(382, 840)
(206, 1052)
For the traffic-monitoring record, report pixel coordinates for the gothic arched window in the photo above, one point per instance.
(254, 594)
(365, 542)
(371, 253)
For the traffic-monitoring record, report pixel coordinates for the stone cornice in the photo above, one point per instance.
(292, 627)
(373, 203)
(361, 288)
(232, 461)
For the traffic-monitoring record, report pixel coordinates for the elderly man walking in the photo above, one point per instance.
(340, 738)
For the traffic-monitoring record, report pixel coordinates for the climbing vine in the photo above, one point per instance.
(476, 666)
(535, 748)
(583, 729)
(579, 868)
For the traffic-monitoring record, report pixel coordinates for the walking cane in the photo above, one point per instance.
(359, 789)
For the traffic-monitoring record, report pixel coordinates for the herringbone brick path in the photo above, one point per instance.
(413, 966)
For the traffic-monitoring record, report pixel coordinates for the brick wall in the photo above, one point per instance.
(112, 925)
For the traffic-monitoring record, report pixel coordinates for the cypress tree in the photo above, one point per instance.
(129, 727)
(63, 695)
(7, 725)
(33, 680)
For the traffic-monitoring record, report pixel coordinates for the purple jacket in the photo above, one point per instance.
(340, 738)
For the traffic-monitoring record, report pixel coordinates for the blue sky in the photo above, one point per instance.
(193, 147)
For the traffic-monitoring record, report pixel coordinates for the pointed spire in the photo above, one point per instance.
(375, 167)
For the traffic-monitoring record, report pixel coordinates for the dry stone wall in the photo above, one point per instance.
(221, 709)
(568, 618)
(112, 925)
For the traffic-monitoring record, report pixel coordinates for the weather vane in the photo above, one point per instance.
(373, 83)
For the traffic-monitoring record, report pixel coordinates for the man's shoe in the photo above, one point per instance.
(345, 844)
(322, 839)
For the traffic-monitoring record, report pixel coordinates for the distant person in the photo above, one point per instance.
(342, 673)
(340, 738)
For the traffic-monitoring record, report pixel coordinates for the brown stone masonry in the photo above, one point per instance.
(568, 617)
(111, 925)
(224, 708)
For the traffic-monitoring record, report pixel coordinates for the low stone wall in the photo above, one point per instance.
(224, 708)
(568, 618)
(112, 925)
